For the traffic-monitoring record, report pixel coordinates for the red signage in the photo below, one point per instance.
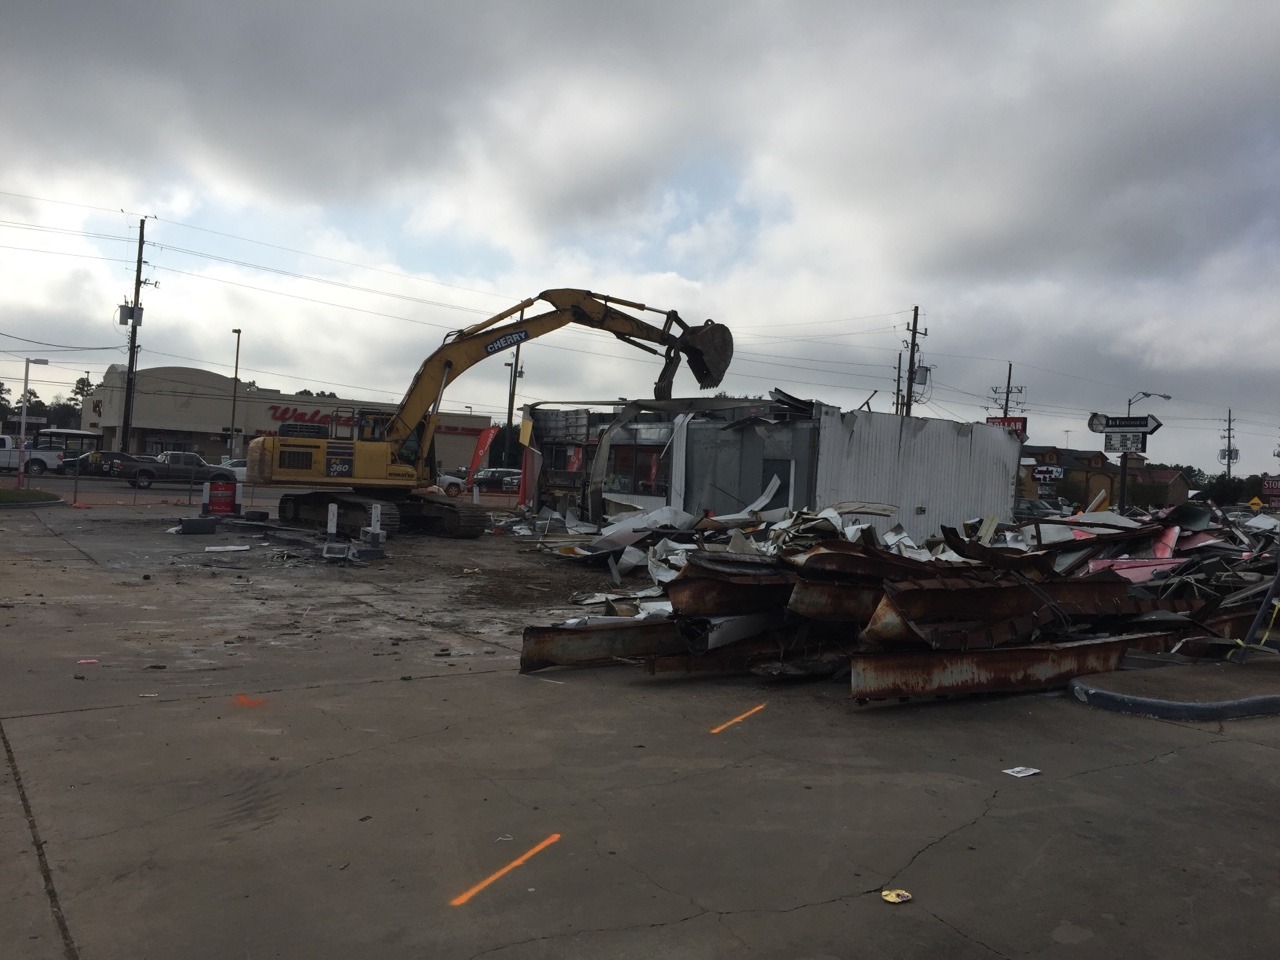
(296, 415)
(574, 464)
(1271, 486)
(1016, 424)
(483, 443)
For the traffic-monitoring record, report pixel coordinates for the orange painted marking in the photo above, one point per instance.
(462, 898)
(243, 700)
(739, 718)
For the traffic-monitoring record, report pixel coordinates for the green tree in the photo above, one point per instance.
(82, 389)
(1224, 490)
(6, 410)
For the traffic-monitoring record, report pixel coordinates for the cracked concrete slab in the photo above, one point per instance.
(287, 794)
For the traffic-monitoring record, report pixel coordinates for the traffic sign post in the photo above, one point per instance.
(1125, 435)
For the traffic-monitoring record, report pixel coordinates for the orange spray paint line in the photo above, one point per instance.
(739, 718)
(462, 898)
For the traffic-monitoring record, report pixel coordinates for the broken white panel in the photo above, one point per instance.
(656, 607)
(666, 560)
(1103, 518)
(632, 557)
(231, 549)
(1054, 533)
(748, 512)
(740, 544)
(897, 541)
(667, 517)
(1262, 522)
(722, 631)
(587, 599)
(678, 444)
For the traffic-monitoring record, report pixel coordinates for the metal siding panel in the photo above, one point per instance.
(956, 471)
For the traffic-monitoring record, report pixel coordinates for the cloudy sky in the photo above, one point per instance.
(1088, 191)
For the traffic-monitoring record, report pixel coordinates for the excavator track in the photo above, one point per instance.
(444, 517)
(433, 515)
(354, 512)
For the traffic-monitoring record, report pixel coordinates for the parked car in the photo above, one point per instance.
(511, 484)
(491, 478)
(450, 484)
(34, 462)
(102, 463)
(239, 467)
(173, 466)
(1025, 510)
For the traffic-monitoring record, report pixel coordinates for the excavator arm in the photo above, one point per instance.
(707, 347)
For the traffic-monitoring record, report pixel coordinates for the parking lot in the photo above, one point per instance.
(253, 753)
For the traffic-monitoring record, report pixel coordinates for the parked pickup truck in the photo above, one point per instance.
(36, 461)
(173, 466)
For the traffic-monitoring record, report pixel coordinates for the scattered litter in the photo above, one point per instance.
(77, 676)
(895, 896)
(235, 548)
(157, 666)
(86, 661)
(148, 695)
(1021, 771)
(505, 836)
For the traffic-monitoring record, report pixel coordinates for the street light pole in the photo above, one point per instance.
(1122, 502)
(235, 383)
(516, 373)
(22, 429)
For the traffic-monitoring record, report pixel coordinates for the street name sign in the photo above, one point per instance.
(1105, 423)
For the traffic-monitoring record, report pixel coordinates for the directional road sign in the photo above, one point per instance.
(1125, 443)
(1104, 423)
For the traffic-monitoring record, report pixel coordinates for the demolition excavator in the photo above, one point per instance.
(362, 458)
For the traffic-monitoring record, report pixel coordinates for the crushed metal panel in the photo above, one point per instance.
(834, 600)
(710, 597)
(884, 676)
(598, 640)
(950, 471)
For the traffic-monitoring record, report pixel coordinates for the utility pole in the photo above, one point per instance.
(1230, 453)
(1004, 397)
(135, 317)
(911, 360)
(516, 373)
(897, 389)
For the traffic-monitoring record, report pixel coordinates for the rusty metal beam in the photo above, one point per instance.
(696, 596)
(593, 644)
(884, 676)
(835, 600)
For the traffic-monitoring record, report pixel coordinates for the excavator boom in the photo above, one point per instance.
(708, 347)
(364, 462)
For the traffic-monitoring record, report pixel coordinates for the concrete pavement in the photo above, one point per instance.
(278, 791)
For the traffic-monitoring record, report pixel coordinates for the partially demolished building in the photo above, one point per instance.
(724, 455)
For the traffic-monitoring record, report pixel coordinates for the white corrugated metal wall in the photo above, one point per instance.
(936, 472)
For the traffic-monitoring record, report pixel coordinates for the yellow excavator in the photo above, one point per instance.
(362, 458)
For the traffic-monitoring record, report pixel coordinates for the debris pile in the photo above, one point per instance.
(995, 607)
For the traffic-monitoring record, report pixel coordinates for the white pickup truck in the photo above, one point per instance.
(36, 461)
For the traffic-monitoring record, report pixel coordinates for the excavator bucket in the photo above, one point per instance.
(709, 351)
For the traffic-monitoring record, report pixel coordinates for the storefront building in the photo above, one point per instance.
(185, 408)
